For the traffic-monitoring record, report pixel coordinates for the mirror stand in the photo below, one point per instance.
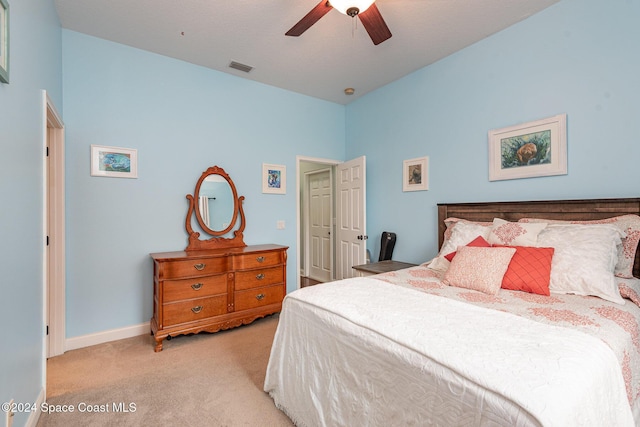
(217, 241)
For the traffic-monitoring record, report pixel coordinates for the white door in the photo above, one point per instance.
(320, 214)
(351, 216)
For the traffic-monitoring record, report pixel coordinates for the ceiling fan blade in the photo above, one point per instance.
(310, 18)
(374, 24)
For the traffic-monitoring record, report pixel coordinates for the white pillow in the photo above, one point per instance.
(461, 235)
(628, 224)
(584, 259)
(515, 233)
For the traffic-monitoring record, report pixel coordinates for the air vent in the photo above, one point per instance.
(241, 67)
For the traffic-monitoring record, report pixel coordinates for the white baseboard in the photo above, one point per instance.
(106, 336)
(34, 416)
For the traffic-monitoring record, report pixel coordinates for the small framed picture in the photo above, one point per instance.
(527, 150)
(4, 41)
(415, 174)
(114, 162)
(274, 179)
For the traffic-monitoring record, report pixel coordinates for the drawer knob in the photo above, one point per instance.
(200, 266)
(260, 276)
(260, 297)
(197, 309)
(196, 286)
(260, 259)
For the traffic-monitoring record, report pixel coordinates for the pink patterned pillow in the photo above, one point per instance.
(515, 233)
(479, 268)
(630, 289)
(628, 224)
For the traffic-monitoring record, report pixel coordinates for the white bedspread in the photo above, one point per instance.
(405, 356)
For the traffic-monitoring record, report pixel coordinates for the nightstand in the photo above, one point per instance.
(380, 267)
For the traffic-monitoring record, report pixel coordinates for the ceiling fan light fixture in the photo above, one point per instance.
(351, 7)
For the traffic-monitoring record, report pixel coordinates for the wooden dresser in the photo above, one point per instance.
(215, 289)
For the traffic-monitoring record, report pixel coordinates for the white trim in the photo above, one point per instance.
(53, 225)
(45, 258)
(34, 416)
(299, 159)
(107, 336)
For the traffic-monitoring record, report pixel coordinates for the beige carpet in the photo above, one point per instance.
(197, 380)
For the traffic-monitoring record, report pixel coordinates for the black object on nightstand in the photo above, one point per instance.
(387, 243)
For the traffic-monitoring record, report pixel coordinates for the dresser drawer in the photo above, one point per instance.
(195, 309)
(194, 267)
(259, 277)
(258, 297)
(197, 287)
(261, 259)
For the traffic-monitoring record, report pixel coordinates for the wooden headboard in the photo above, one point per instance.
(578, 210)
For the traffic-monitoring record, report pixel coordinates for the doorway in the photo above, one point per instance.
(54, 230)
(330, 205)
(318, 201)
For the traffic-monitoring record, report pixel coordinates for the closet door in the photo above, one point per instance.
(320, 215)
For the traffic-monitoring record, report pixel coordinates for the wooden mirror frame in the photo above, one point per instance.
(217, 241)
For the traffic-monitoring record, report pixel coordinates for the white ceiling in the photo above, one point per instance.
(329, 57)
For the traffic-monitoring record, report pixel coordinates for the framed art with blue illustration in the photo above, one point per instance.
(115, 162)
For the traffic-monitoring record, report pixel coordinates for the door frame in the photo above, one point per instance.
(307, 214)
(299, 189)
(54, 229)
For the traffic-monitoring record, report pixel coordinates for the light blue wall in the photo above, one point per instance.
(182, 119)
(35, 64)
(579, 57)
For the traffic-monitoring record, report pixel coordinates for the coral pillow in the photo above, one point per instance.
(480, 269)
(479, 242)
(529, 270)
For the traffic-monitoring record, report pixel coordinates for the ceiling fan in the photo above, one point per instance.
(366, 10)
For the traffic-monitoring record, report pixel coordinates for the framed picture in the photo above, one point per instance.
(528, 150)
(4, 41)
(415, 174)
(274, 179)
(114, 162)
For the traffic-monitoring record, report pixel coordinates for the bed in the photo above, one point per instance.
(439, 344)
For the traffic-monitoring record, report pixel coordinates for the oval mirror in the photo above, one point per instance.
(216, 207)
(216, 203)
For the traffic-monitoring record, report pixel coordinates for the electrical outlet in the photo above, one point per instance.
(280, 225)
(10, 414)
